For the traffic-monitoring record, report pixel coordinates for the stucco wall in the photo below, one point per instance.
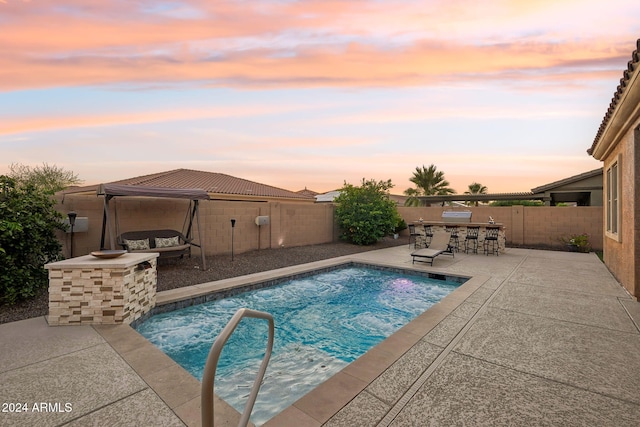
(621, 256)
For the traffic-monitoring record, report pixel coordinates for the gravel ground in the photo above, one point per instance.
(186, 272)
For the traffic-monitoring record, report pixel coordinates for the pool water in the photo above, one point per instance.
(322, 323)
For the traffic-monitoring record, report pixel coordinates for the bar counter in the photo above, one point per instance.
(441, 227)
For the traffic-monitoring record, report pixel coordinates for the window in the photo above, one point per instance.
(612, 212)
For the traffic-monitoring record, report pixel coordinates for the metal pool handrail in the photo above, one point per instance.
(208, 376)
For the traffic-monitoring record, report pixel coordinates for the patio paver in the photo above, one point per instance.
(537, 338)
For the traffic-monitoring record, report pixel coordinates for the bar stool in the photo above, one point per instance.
(491, 238)
(471, 240)
(454, 241)
(428, 235)
(414, 236)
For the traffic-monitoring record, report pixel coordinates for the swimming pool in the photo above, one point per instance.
(323, 322)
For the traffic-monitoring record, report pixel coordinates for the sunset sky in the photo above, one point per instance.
(311, 94)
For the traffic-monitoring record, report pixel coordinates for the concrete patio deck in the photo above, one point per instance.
(535, 338)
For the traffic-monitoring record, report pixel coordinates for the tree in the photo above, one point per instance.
(429, 182)
(476, 188)
(28, 222)
(48, 178)
(366, 214)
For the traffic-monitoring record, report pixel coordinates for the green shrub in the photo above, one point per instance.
(28, 222)
(400, 224)
(578, 242)
(365, 214)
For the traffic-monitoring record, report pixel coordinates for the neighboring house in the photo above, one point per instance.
(264, 216)
(331, 195)
(307, 192)
(327, 197)
(219, 186)
(584, 189)
(617, 145)
(399, 199)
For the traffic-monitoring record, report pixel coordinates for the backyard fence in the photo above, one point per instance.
(302, 223)
(538, 227)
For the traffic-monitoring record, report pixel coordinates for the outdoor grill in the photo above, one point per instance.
(456, 216)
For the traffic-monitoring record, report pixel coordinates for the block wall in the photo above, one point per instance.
(290, 224)
(298, 224)
(542, 227)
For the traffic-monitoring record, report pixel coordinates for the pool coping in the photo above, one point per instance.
(181, 391)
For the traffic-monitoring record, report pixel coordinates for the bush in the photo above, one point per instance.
(578, 242)
(28, 222)
(365, 214)
(400, 224)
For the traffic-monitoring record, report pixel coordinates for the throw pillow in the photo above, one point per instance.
(167, 242)
(137, 245)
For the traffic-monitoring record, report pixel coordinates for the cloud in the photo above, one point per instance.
(282, 44)
(27, 124)
(323, 90)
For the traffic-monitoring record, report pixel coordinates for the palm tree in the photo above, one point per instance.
(429, 182)
(476, 188)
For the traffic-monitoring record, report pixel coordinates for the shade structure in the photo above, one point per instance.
(110, 191)
(140, 190)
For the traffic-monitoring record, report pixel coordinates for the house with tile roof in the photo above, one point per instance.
(294, 218)
(219, 186)
(307, 192)
(616, 145)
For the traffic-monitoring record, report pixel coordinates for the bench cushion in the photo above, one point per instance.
(137, 245)
(161, 250)
(168, 243)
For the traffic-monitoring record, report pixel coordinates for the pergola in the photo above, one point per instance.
(428, 200)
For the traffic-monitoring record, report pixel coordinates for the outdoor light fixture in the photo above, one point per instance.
(72, 221)
(233, 225)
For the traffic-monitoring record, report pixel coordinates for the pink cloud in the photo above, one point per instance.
(339, 43)
(21, 124)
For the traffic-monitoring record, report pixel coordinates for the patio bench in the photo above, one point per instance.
(168, 243)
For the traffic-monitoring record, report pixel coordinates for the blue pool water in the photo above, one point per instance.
(322, 323)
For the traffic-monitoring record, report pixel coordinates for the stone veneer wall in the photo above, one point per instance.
(82, 296)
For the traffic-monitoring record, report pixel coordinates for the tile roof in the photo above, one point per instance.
(211, 182)
(631, 66)
(307, 192)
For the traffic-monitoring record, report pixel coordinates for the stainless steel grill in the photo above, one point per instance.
(456, 216)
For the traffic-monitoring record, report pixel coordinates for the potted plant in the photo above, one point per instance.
(400, 225)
